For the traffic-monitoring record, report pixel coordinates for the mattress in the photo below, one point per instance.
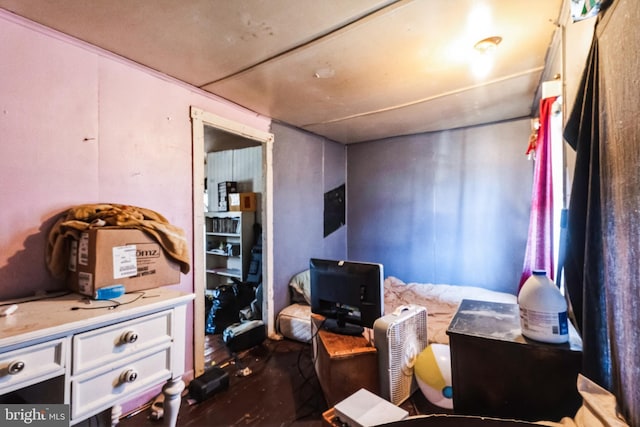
(294, 322)
(440, 300)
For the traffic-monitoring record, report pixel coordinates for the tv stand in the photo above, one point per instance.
(344, 363)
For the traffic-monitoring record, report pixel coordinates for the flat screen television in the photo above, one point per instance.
(349, 294)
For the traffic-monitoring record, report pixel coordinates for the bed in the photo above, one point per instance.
(440, 300)
(599, 408)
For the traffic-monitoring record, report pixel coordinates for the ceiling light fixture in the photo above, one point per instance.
(482, 61)
(488, 45)
(324, 73)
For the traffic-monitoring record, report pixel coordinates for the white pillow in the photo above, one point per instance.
(300, 284)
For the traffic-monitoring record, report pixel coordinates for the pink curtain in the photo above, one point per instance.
(539, 252)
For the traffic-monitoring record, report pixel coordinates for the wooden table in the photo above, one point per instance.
(344, 364)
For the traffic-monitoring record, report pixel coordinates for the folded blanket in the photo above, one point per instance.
(84, 217)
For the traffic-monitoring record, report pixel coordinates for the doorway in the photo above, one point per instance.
(212, 133)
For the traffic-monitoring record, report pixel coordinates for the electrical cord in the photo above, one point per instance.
(313, 340)
(315, 392)
(114, 304)
(34, 298)
(315, 400)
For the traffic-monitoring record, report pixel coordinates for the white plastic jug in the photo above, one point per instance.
(543, 310)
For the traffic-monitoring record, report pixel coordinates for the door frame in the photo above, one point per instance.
(200, 119)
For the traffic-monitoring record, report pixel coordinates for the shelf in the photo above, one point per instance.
(219, 253)
(225, 223)
(228, 272)
(210, 233)
(228, 241)
(222, 254)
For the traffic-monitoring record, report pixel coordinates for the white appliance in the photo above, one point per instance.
(365, 409)
(399, 338)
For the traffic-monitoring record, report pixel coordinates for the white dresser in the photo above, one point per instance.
(95, 355)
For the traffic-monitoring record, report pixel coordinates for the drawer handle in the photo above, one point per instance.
(129, 376)
(129, 337)
(15, 367)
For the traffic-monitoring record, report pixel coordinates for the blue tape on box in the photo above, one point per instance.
(109, 292)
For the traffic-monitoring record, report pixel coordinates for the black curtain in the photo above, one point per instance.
(602, 265)
(584, 263)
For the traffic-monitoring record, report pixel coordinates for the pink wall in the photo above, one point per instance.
(79, 125)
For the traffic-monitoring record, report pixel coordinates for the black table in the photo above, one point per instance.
(497, 372)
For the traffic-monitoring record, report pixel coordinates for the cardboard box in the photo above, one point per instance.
(242, 202)
(116, 256)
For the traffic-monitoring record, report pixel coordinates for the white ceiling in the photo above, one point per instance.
(350, 70)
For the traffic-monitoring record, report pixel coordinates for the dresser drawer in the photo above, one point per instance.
(106, 345)
(91, 394)
(32, 364)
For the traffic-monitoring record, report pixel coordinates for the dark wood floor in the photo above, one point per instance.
(280, 390)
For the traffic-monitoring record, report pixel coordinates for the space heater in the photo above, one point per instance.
(399, 338)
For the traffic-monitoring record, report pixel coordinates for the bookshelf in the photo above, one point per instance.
(228, 241)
